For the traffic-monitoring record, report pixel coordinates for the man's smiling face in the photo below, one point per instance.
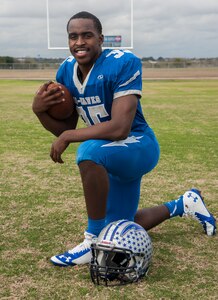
(84, 41)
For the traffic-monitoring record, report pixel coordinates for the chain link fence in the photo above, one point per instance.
(146, 64)
(181, 64)
(29, 66)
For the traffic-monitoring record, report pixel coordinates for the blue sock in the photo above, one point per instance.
(95, 226)
(175, 207)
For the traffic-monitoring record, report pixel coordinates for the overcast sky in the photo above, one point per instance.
(169, 28)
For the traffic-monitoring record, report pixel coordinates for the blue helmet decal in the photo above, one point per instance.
(115, 229)
(131, 226)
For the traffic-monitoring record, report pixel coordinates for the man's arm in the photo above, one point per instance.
(118, 128)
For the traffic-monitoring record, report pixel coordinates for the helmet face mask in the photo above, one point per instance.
(121, 254)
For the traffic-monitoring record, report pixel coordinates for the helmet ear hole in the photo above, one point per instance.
(120, 259)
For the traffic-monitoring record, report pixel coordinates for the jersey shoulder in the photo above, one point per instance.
(65, 68)
(68, 62)
(120, 62)
(120, 56)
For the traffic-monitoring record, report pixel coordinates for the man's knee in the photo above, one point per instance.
(89, 150)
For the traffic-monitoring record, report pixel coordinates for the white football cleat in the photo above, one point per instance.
(195, 207)
(80, 254)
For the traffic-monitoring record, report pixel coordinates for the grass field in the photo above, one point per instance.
(43, 210)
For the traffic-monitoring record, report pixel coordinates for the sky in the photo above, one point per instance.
(169, 28)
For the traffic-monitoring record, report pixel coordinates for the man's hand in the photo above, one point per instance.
(57, 148)
(44, 99)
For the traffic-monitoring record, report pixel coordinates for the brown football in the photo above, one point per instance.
(64, 109)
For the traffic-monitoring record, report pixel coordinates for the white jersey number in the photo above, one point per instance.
(95, 112)
(116, 53)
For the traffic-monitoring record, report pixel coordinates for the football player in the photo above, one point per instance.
(117, 147)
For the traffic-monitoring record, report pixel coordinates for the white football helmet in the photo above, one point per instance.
(122, 253)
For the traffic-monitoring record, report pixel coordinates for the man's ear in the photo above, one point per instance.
(101, 39)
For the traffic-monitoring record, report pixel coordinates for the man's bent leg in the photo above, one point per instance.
(151, 217)
(189, 204)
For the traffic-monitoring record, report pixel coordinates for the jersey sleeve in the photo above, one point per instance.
(129, 78)
(59, 74)
(63, 72)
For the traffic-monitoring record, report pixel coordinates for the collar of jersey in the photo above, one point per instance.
(80, 86)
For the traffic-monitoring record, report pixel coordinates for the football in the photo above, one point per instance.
(64, 109)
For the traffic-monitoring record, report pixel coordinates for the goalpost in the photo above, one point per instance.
(50, 47)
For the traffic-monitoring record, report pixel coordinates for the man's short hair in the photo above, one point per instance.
(87, 15)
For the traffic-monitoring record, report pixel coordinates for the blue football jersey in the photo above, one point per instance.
(115, 73)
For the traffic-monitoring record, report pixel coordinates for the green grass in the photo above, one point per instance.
(43, 211)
